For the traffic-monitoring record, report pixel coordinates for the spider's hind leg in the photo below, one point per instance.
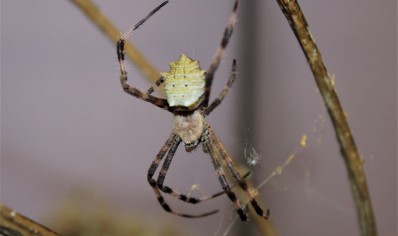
(241, 181)
(170, 146)
(169, 190)
(209, 148)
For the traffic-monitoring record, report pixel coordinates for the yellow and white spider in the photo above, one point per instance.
(187, 88)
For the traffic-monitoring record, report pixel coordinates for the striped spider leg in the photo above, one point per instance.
(146, 96)
(187, 88)
(220, 152)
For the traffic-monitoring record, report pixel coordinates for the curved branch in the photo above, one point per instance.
(349, 151)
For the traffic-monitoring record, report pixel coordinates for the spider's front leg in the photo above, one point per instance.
(158, 82)
(223, 92)
(120, 46)
(162, 103)
(220, 51)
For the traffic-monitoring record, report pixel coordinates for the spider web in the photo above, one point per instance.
(253, 159)
(312, 139)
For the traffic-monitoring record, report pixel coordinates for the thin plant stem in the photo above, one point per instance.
(349, 151)
(107, 27)
(13, 223)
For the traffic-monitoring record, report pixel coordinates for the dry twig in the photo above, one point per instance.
(14, 224)
(349, 151)
(107, 27)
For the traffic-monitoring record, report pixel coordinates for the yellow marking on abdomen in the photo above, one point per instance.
(184, 82)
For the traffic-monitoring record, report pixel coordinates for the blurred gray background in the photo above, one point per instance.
(67, 126)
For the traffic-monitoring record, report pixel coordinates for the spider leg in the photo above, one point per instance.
(241, 182)
(180, 196)
(225, 90)
(142, 21)
(162, 103)
(168, 190)
(208, 146)
(216, 61)
(171, 146)
(158, 82)
(185, 198)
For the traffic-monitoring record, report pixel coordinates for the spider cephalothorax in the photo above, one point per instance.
(189, 127)
(187, 89)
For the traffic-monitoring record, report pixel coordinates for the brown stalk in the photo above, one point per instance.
(106, 26)
(348, 149)
(13, 223)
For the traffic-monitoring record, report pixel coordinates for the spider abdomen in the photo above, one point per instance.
(184, 83)
(189, 127)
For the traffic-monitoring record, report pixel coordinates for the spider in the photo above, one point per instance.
(187, 90)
